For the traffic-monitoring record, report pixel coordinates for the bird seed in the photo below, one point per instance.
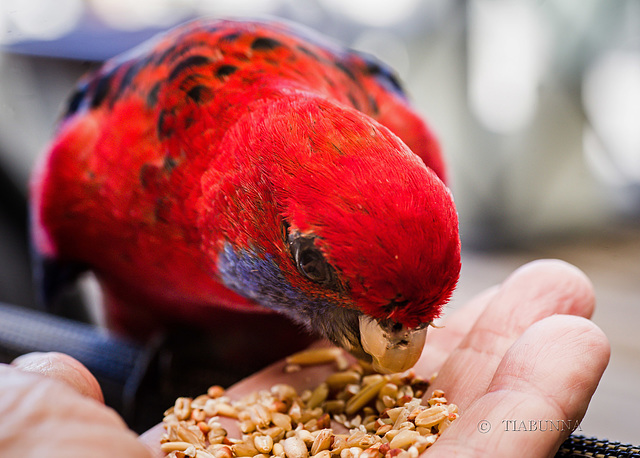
(384, 415)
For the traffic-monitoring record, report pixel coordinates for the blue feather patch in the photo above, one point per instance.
(260, 279)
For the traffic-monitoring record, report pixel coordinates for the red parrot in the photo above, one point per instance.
(234, 168)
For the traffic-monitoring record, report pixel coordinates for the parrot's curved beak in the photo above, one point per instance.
(392, 347)
(388, 345)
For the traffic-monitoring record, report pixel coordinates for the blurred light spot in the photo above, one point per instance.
(237, 7)
(306, 12)
(387, 47)
(611, 98)
(138, 14)
(40, 19)
(373, 12)
(507, 57)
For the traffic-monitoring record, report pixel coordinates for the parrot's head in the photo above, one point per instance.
(334, 222)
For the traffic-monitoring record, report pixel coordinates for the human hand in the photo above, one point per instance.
(50, 405)
(519, 352)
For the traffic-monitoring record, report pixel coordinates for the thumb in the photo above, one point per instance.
(61, 367)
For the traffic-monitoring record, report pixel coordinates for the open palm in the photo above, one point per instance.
(521, 361)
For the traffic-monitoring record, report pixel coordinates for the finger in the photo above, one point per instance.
(44, 417)
(63, 368)
(538, 396)
(448, 334)
(533, 292)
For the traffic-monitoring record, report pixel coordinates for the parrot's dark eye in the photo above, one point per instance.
(310, 261)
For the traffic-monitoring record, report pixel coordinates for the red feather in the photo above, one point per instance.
(215, 132)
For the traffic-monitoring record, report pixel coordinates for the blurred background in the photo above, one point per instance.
(537, 105)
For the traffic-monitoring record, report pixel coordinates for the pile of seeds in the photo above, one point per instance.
(383, 414)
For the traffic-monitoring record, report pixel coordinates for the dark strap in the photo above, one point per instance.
(119, 365)
(23, 330)
(581, 446)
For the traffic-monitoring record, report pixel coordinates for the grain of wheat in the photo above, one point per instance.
(384, 415)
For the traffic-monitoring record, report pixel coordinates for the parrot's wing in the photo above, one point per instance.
(237, 52)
